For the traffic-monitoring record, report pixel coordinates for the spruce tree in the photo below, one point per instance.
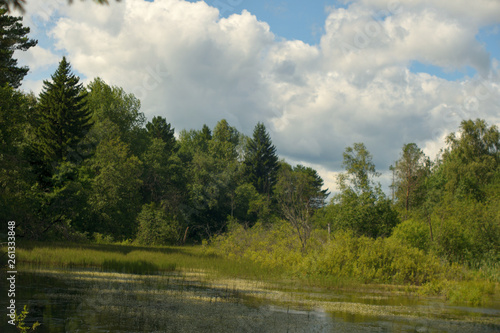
(12, 38)
(261, 161)
(64, 115)
(159, 128)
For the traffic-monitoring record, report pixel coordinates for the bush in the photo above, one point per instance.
(384, 260)
(413, 233)
(102, 239)
(274, 247)
(467, 231)
(156, 227)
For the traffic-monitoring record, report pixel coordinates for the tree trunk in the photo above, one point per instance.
(430, 227)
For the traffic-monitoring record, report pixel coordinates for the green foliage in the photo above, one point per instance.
(158, 128)
(102, 239)
(16, 178)
(363, 259)
(163, 175)
(410, 173)
(13, 38)
(20, 324)
(249, 207)
(361, 205)
(224, 143)
(261, 161)
(156, 226)
(472, 159)
(414, 233)
(273, 247)
(299, 194)
(64, 116)
(115, 198)
(360, 169)
(213, 173)
(113, 104)
(472, 292)
(467, 230)
(116, 179)
(111, 257)
(373, 261)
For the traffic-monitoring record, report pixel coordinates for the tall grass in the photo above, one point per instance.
(138, 259)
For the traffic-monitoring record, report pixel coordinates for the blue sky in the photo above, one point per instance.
(321, 75)
(304, 20)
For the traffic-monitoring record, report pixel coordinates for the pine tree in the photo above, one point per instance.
(12, 38)
(261, 161)
(64, 115)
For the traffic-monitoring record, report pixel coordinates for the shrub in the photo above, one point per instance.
(273, 247)
(102, 239)
(413, 233)
(345, 256)
(368, 260)
(156, 227)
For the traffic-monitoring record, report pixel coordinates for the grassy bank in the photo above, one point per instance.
(344, 264)
(137, 259)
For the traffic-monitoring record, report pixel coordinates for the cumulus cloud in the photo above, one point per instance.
(191, 66)
(37, 58)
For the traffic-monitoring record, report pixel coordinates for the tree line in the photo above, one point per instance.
(82, 162)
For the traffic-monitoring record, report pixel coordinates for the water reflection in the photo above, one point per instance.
(90, 301)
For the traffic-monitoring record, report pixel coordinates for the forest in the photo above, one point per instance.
(83, 164)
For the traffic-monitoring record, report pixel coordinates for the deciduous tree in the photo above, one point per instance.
(361, 205)
(472, 158)
(299, 194)
(410, 171)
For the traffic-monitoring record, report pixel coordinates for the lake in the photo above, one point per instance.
(77, 300)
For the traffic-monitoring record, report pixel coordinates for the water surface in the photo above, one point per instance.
(92, 301)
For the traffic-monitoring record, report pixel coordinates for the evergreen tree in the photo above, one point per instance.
(158, 128)
(12, 38)
(64, 115)
(261, 161)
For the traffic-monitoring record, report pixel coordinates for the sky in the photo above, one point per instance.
(321, 75)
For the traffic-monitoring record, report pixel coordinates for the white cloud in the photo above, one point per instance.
(192, 67)
(34, 86)
(37, 58)
(358, 39)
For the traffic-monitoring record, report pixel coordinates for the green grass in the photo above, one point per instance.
(138, 259)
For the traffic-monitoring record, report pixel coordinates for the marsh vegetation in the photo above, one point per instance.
(125, 288)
